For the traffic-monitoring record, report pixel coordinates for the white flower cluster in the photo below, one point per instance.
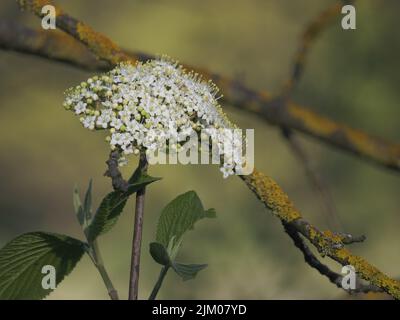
(144, 105)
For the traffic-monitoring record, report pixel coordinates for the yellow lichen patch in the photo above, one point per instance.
(334, 237)
(324, 241)
(274, 198)
(100, 45)
(368, 272)
(313, 233)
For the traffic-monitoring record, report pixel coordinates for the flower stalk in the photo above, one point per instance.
(137, 234)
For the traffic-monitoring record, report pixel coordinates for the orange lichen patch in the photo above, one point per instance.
(374, 148)
(377, 148)
(100, 45)
(274, 198)
(362, 142)
(322, 126)
(36, 6)
(322, 20)
(265, 95)
(62, 46)
(253, 106)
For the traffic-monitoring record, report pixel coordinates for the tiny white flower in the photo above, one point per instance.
(80, 107)
(89, 121)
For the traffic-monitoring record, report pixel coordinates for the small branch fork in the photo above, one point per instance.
(327, 242)
(281, 112)
(311, 33)
(113, 172)
(315, 179)
(324, 270)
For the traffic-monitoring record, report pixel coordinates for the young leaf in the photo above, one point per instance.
(106, 215)
(22, 260)
(78, 206)
(178, 217)
(112, 205)
(87, 205)
(159, 254)
(187, 271)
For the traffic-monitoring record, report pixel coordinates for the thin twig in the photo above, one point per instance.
(97, 259)
(316, 180)
(137, 234)
(323, 269)
(113, 172)
(311, 33)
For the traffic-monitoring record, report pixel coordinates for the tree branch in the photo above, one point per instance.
(327, 243)
(324, 270)
(49, 44)
(281, 112)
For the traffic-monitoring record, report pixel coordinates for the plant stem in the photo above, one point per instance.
(137, 234)
(159, 282)
(98, 262)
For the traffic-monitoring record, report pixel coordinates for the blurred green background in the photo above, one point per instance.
(351, 76)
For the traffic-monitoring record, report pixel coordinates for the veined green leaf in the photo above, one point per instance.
(187, 271)
(178, 217)
(112, 205)
(87, 204)
(78, 206)
(22, 260)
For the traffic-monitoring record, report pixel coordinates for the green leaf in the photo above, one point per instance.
(22, 260)
(112, 205)
(159, 254)
(178, 217)
(187, 271)
(78, 206)
(87, 205)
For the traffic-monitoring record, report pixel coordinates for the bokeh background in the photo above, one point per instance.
(352, 76)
